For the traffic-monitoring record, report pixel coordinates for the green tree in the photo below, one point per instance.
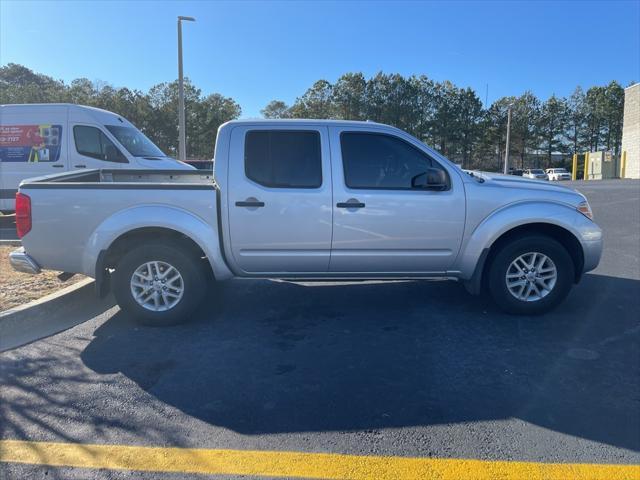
(276, 109)
(349, 97)
(552, 125)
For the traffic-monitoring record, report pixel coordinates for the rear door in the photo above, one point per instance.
(382, 224)
(31, 145)
(280, 215)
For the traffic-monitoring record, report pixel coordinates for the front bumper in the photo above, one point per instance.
(21, 262)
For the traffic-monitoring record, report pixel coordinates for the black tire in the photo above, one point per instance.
(187, 264)
(510, 251)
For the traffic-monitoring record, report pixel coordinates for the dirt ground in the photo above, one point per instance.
(18, 288)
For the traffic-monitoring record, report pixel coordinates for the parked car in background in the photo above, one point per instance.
(39, 139)
(307, 200)
(535, 173)
(516, 171)
(557, 174)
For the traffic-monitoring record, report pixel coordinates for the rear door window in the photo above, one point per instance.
(283, 158)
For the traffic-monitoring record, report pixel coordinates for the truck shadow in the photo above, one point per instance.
(272, 357)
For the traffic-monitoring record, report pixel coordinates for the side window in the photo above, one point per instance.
(379, 161)
(283, 158)
(91, 142)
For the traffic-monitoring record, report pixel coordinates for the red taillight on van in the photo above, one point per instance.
(23, 214)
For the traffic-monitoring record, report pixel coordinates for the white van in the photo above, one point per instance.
(39, 139)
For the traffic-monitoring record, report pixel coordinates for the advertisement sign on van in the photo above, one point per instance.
(30, 143)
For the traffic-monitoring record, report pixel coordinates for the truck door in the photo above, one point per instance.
(383, 222)
(279, 199)
(91, 147)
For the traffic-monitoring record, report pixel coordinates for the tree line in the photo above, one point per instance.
(454, 121)
(447, 117)
(154, 112)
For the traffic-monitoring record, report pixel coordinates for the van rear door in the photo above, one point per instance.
(32, 144)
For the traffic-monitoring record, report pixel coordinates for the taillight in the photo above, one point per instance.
(23, 214)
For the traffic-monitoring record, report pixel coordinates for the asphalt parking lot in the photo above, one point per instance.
(403, 369)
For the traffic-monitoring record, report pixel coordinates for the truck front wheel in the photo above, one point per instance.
(159, 283)
(530, 275)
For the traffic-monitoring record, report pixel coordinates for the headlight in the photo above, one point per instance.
(585, 209)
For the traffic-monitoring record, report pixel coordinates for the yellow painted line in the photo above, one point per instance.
(298, 464)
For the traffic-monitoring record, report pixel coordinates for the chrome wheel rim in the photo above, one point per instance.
(157, 286)
(531, 277)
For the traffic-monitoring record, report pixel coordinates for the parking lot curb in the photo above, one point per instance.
(10, 243)
(51, 314)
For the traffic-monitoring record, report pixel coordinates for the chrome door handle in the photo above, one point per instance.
(80, 166)
(57, 166)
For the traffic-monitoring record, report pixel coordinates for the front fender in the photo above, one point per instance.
(160, 216)
(516, 215)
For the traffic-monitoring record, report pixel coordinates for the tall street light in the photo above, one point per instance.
(506, 153)
(182, 142)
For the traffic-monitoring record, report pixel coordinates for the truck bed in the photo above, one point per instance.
(117, 178)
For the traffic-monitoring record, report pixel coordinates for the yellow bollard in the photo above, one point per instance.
(586, 166)
(623, 164)
(574, 171)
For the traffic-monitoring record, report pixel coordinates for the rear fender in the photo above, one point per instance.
(202, 233)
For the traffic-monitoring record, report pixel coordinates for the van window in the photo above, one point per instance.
(381, 161)
(136, 143)
(91, 142)
(283, 158)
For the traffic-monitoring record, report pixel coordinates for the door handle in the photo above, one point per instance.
(250, 203)
(352, 203)
(80, 166)
(57, 166)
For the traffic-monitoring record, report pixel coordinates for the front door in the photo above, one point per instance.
(91, 147)
(279, 199)
(383, 222)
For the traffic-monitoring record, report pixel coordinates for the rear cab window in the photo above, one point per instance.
(283, 158)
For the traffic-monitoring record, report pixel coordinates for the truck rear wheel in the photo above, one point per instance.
(530, 275)
(159, 283)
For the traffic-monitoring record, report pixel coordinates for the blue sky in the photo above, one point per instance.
(258, 51)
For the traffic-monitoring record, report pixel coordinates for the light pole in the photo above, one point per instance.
(182, 142)
(506, 153)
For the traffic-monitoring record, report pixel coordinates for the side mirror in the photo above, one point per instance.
(432, 179)
(112, 154)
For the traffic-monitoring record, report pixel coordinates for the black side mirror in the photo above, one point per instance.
(432, 179)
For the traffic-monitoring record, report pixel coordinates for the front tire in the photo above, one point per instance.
(530, 275)
(159, 284)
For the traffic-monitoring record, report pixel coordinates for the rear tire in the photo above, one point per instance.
(159, 284)
(530, 275)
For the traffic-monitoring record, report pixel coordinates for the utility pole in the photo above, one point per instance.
(506, 153)
(182, 134)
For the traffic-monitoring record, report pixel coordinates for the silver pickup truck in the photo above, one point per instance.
(307, 199)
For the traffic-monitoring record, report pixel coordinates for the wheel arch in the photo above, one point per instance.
(505, 225)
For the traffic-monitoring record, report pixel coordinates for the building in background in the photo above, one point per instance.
(631, 130)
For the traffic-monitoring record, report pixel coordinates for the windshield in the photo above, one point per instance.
(537, 171)
(560, 170)
(135, 142)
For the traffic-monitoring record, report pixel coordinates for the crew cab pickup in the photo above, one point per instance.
(307, 199)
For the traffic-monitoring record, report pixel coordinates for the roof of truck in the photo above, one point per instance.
(302, 121)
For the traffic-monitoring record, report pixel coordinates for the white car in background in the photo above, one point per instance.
(558, 174)
(535, 173)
